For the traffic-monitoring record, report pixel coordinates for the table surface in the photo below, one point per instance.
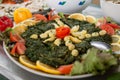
(24, 75)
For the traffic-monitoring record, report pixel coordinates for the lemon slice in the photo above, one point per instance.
(77, 16)
(115, 39)
(45, 68)
(25, 61)
(90, 19)
(20, 28)
(29, 22)
(115, 46)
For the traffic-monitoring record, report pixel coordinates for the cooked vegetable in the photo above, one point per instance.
(62, 46)
(58, 55)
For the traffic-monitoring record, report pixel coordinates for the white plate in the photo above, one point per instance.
(42, 73)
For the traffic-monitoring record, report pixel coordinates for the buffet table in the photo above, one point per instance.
(19, 74)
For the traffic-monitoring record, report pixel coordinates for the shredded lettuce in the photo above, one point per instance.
(95, 62)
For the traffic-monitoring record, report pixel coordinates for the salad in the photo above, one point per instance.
(60, 45)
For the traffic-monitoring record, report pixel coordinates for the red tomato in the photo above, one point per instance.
(40, 17)
(108, 29)
(14, 37)
(18, 48)
(114, 26)
(61, 32)
(13, 51)
(65, 69)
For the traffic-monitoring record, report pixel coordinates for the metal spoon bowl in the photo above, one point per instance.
(103, 46)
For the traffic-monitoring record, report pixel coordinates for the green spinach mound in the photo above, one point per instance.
(53, 55)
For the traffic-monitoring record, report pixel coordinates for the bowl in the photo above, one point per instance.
(111, 10)
(68, 6)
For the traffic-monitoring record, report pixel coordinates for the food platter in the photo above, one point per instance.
(40, 72)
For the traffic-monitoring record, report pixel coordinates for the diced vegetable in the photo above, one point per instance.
(65, 69)
(108, 29)
(14, 37)
(61, 32)
(114, 26)
(19, 48)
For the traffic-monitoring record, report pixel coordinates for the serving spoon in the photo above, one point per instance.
(103, 46)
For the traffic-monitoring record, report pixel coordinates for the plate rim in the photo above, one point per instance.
(40, 73)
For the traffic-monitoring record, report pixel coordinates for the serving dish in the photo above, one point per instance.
(15, 60)
(68, 7)
(113, 13)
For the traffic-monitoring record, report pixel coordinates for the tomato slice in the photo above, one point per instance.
(65, 69)
(13, 51)
(61, 32)
(14, 37)
(114, 26)
(40, 17)
(108, 29)
(19, 48)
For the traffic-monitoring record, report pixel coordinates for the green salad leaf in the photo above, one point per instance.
(95, 62)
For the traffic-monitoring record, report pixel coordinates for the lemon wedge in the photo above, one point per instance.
(20, 28)
(45, 68)
(77, 16)
(115, 46)
(90, 19)
(25, 61)
(29, 22)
